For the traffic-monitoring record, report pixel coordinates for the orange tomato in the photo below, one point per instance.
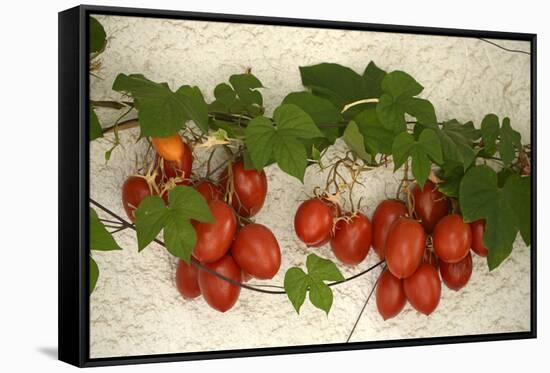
(170, 148)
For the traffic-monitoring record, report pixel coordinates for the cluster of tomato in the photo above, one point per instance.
(413, 267)
(230, 246)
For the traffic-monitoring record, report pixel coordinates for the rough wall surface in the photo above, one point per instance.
(136, 308)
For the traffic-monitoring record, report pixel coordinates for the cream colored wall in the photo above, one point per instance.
(136, 308)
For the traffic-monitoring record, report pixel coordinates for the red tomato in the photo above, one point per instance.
(134, 190)
(170, 148)
(246, 277)
(430, 205)
(209, 191)
(250, 189)
(478, 229)
(257, 251)
(390, 296)
(180, 167)
(351, 241)
(313, 222)
(218, 293)
(456, 275)
(386, 214)
(214, 239)
(452, 239)
(423, 289)
(187, 280)
(405, 247)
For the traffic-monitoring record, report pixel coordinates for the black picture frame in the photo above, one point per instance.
(73, 150)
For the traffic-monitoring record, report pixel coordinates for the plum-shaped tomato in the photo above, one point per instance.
(313, 221)
(430, 205)
(219, 293)
(209, 191)
(134, 190)
(478, 229)
(187, 280)
(249, 189)
(352, 238)
(385, 215)
(170, 148)
(452, 239)
(456, 275)
(405, 247)
(423, 289)
(390, 296)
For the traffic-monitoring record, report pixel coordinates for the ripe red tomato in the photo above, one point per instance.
(405, 247)
(257, 251)
(313, 222)
(250, 189)
(170, 148)
(180, 167)
(385, 215)
(351, 241)
(390, 296)
(478, 229)
(134, 190)
(423, 289)
(209, 191)
(214, 239)
(187, 280)
(430, 205)
(452, 239)
(218, 293)
(456, 275)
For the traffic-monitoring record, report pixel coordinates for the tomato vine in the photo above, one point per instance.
(380, 116)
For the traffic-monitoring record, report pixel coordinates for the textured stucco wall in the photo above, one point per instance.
(136, 308)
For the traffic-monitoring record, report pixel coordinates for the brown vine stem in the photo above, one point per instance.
(127, 224)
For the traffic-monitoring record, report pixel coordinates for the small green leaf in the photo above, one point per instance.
(98, 37)
(291, 156)
(186, 203)
(179, 237)
(294, 122)
(456, 142)
(95, 127)
(372, 81)
(100, 238)
(94, 275)
(315, 154)
(489, 132)
(355, 141)
(451, 176)
(151, 217)
(518, 192)
(225, 95)
(400, 85)
(377, 138)
(320, 295)
(260, 135)
(195, 107)
(322, 269)
(509, 141)
(296, 284)
(422, 110)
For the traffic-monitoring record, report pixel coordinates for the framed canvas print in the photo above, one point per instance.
(235, 186)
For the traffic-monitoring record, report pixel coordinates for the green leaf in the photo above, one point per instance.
(192, 101)
(179, 237)
(320, 295)
(225, 95)
(186, 203)
(422, 110)
(427, 147)
(451, 176)
(95, 128)
(296, 284)
(151, 217)
(100, 238)
(482, 198)
(265, 141)
(509, 141)
(372, 80)
(456, 142)
(399, 85)
(355, 141)
(94, 275)
(377, 138)
(98, 37)
(161, 112)
(322, 269)
(518, 192)
(489, 132)
(245, 85)
(322, 111)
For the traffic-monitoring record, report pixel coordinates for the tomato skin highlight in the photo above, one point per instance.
(170, 148)
(209, 191)
(456, 275)
(390, 296)
(352, 238)
(478, 229)
(214, 239)
(405, 247)
(218, 293)
(257, 251)
(452, 239)
(385, 215)
(430, 205)
(250, 189)
(313, 222)
(134, 190)
(187, 280)
(423, 289)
